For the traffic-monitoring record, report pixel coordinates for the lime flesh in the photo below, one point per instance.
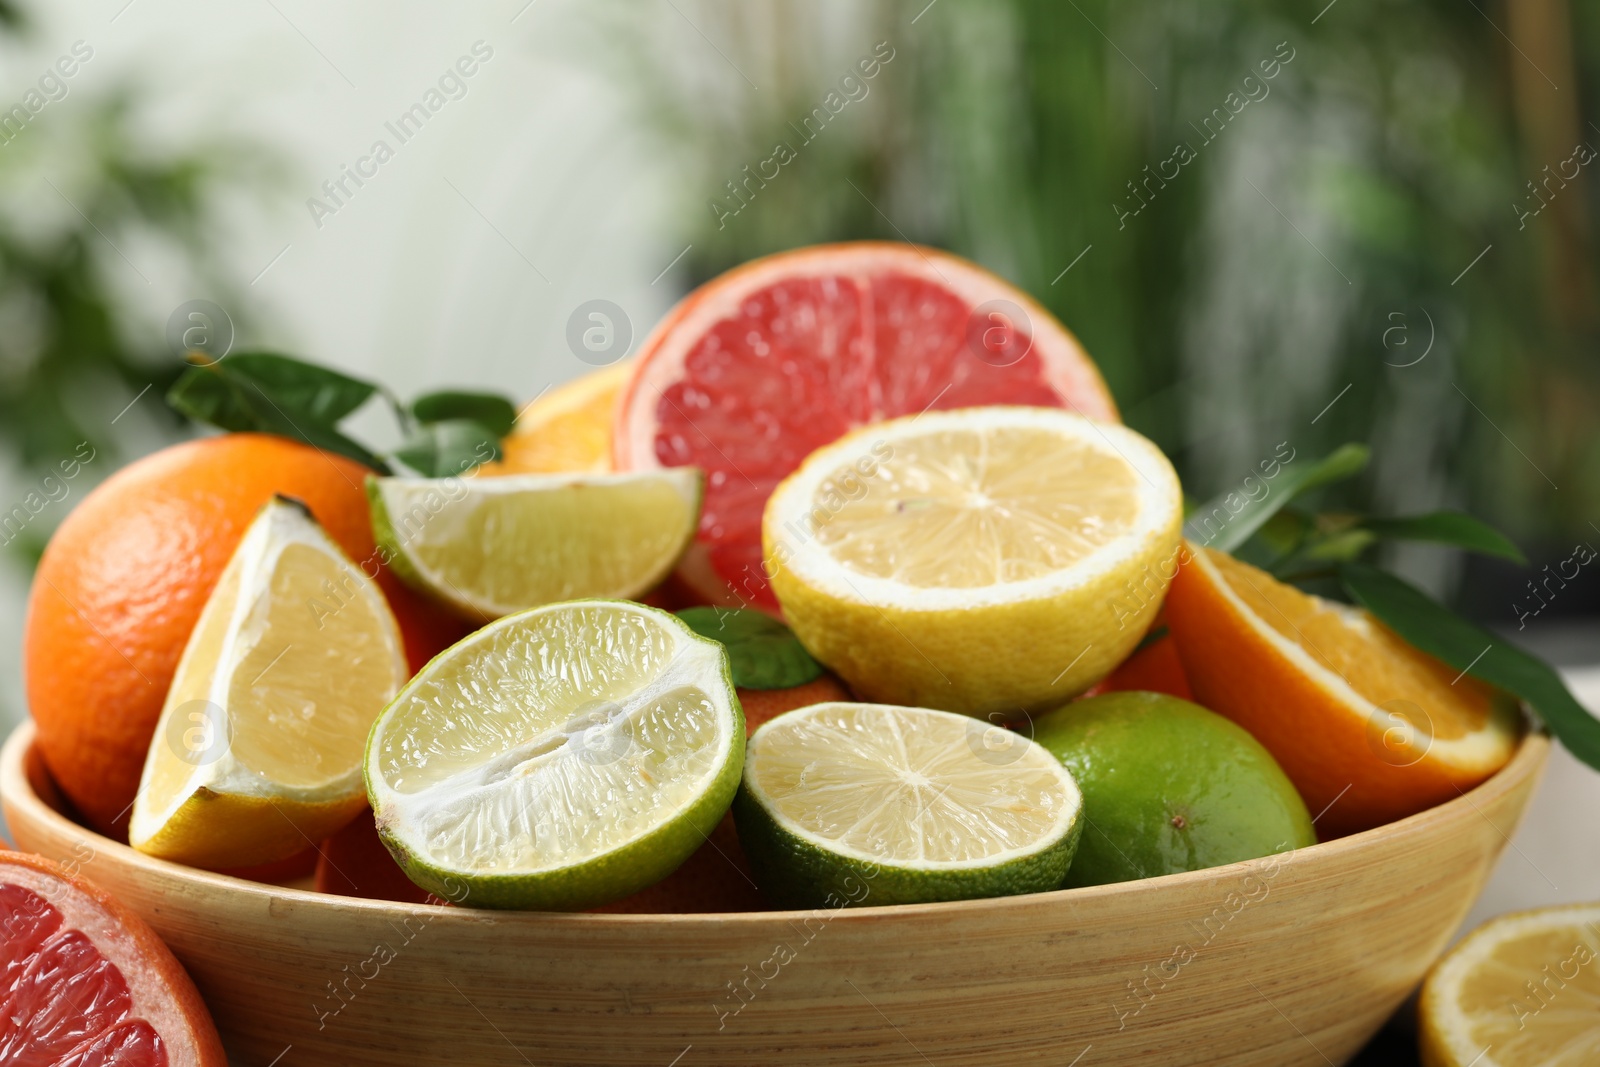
(560, 758)
(489, 547)
(1169, 786)
(864, 804)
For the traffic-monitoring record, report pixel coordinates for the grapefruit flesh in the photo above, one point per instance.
(762, 366)
(85, 983)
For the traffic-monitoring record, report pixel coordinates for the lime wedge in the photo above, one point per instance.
(493, 546)
(560, 758)
(864, 804)
(257, 754)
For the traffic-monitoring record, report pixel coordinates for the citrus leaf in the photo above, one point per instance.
(491, 409)
(235, 402)
(1227, 520)
(1444, 635)
(451, 447)
(1449, 528)
(305, 392)
(762, 652)
(206, 397)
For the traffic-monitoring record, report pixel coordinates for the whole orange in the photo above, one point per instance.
(123, 580)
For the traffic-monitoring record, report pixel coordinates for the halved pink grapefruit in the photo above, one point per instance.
(758, 368)
(85, 983)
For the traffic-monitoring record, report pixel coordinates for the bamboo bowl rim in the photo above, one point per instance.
(16, 790)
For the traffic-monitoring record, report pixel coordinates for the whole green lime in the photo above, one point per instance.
(1169, 786)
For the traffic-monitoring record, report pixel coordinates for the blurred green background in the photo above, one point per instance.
(1388, 240)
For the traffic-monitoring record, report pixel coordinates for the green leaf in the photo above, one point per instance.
(451, 447)
(212, 395)
(1227, 520)
(305, 392)
(1449, 528)
(204, 395)
(763, 652)
(1342, 547)
(491, 409)
(1441, 633)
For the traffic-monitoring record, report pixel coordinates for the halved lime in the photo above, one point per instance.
(863, 804)
(560, 758)
(493, 546)
(257, 754)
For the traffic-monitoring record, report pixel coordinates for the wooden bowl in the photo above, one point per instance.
(1294, 959)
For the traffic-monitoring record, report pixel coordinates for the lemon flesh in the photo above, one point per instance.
(493, 546)
(560, 758)
(1521, 991)
(986, 560)
(257, 754)
(849, 804)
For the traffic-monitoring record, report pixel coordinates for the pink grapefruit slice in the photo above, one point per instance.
(759, 367)
(85, 983)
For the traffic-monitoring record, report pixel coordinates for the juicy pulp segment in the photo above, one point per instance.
(61, 1001)
(1488, 994)
(979, 507)
(513, 542)
(1372, 659)
(543, 746)
(905, 786)
(300, 708)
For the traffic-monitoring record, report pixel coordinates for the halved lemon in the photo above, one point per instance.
(987, 560)
(1523, 990)
(864, 804)
(493, 546)
(257, 754)
(560, 758)
(1367, 727)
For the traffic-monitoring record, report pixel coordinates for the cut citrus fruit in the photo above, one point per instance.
(865, 804)
(122, 582)
(492, 546)
(85, 983)
(761, 366)
(1368, 728)
(1523, 990)
(978, 560)
(257, 754)
(560, 758)
(565, 429)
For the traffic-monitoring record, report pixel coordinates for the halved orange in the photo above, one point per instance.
(83, 980)
(1368, 728)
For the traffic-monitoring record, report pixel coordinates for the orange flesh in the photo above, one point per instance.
(1372, 659)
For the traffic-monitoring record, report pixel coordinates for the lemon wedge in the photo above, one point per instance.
(257, 754)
